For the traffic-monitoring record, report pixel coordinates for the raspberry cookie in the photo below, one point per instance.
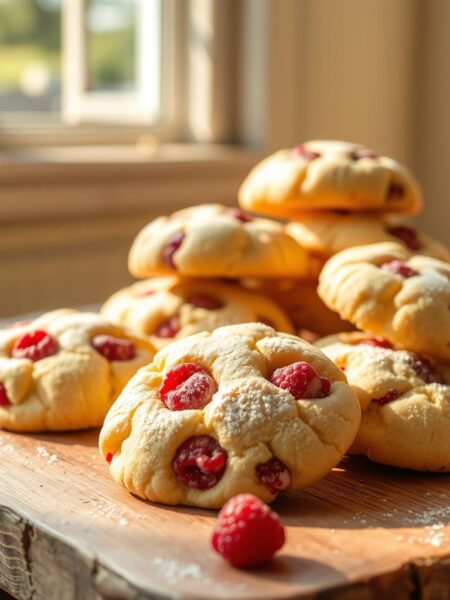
(300, 301)
(405, 401)
(329, 175)
(168, 308)
(215, 241)
(63, 370)
(241, 409)
(384, 290)
(326, 233)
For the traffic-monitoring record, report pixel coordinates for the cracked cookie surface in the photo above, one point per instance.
(64, 369)
(405, 401)
(241, 409)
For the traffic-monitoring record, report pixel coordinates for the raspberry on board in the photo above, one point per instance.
(200, 462)
(187, 386)
(35, 346)
(172, 246)
(113, 348)
(274, 475)
(247, 532)
(301, 380)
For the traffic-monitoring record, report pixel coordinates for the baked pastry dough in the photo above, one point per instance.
(384, 290)
(241, 409)
(64, 369)
(329, 175)
(168, 308)
(405, 402)
(326, 233)
(216, 241)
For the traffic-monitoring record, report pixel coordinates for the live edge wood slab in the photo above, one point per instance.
(67, 531)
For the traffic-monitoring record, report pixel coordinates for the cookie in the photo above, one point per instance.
(329, 175)
(326, 233)
(301, 303)
(215, 241)
(63, 370)
(169, 308)
(241, 409)
(384, 290)
(405, 401)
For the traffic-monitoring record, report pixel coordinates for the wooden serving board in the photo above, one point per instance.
(67, 531)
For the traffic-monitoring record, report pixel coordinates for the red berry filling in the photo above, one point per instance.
(172, 246)
(389, 397)
(274, 475)
(109, 458)
(113, 348)
(240, 215)
(168, 329)
(377, 342)
(303, 152)
(187, 386)
(407, 235)
(423, 368)
(35, 346)
(301, 380)
(205, 301)
(200, 462)
(359, 154)
(247, 532)
(4, 400)
(399, 267)
(395, 191)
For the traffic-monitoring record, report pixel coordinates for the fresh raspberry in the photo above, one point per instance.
(399, 267)
(247, 532)
(4, 400)
(113, 348)
(407, 235)
(423, 368)
(205, 301)
(359, 154)
(274, 475)
(389, 397)
(240, 215)
(395, 191)
(377, 342)
(172, 246)
(200, 462)
(187, 386)
(301, 380)
(303, 152)
(168, 329)
(35, 345)
(109, 458)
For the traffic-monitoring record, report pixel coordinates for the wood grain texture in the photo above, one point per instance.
(67, 531)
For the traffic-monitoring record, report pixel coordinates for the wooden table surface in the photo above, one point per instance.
(68, 531)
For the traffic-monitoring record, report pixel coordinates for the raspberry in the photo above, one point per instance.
(377, 342)
(395, 191)
(407, 235)
(303, 152)
(35, 345)
(359, 154)
(168, 329)
(187, 386)
(4, 400)
(205, 301)
(247, 532)
(389, 397)
(113, 348)
(109, 458)
(240, 215)
(274, 475)
(399, 267)
(423, 368)
(301, 380)
(172, 246)
(200, 462)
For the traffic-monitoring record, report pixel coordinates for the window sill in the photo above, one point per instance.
(51, 182)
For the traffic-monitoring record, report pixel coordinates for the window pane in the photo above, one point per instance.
(111, 31)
